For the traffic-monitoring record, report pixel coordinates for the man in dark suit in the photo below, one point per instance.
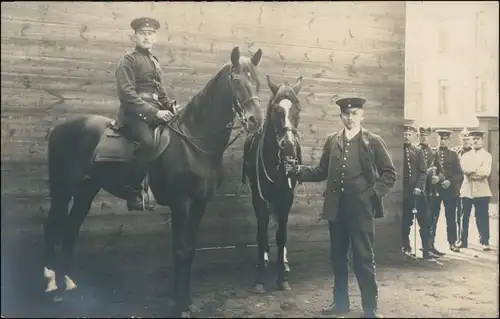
(449, 180)
(433, 168)
(143, 102)
(359, 173)
(414, 183)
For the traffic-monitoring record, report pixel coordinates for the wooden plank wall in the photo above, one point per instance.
(60, 49)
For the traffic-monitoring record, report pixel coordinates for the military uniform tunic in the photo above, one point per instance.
(350, 176)
(452, 172)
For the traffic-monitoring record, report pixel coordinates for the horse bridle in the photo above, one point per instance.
(237, 108)
(281, 160)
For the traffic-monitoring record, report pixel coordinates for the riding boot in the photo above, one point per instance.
(135, 194)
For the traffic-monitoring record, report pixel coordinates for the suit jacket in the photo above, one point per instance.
(416, 176)
(376, 161)
(139, 72)
(477, 168)
(451, 170)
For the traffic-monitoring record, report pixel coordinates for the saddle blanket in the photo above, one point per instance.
(114, 147)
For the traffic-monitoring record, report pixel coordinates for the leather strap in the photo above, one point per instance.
(147, 95)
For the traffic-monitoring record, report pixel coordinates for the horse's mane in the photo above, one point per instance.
(200, 101)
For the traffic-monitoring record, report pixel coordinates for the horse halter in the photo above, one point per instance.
(238, 106)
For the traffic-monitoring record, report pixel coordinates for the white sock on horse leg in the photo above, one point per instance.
(50, 275)
(284, 255)
(70, 284)
(266, 256)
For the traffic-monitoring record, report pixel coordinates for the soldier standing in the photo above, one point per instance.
(466, 146)
(447, 188)
(359, 173)
(475, 189)
(143, 103)
(414, 179)
(433, 168)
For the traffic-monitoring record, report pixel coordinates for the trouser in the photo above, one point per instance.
(354, 225)
(140, 132)
(422, 218)
(450, 205)
(481, 205)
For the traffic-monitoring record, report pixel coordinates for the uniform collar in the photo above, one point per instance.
(349, 134)
(142, 51)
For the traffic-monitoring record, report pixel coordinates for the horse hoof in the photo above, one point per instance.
(287, 267)
(284, 285)
(192, 308)
(258, 289)
(266, 263)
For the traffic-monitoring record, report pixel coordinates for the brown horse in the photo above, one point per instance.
(184, 176)
(272, 190)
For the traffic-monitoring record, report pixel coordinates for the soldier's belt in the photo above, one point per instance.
(146, 95)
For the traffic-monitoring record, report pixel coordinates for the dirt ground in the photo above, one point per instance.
(130, 276)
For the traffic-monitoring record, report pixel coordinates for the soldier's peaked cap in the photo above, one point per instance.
(425, 130)
(476, 133)
(410, 128)
(444, 133)
(350, 102)
(145, 23)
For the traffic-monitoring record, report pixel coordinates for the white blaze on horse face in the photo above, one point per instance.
(286, 105)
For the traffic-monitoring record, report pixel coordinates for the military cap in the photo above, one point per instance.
(145, 23)
(464, 132)
(427, 130)
(444, 133)
(478, 133)
(410, 128)
(350, 102)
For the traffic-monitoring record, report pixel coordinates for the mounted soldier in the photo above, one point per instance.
(143, 103)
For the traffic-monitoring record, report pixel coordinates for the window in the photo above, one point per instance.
(479, 29)
(443, 97)
(480, 94)
(442, 38)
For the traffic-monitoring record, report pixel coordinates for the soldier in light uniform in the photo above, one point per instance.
(414, 180)
(449, 180)
(359, 173)
(143, 103)
(475, 189)
(433, 168)
(466, 146)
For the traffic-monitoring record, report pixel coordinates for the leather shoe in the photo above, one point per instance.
(373, 314)
(333, 310)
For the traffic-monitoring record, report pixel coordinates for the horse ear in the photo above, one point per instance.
(256, 57)
(298, 85)
(235, 56)
(274, 88)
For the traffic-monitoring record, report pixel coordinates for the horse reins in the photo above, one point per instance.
(237, 108)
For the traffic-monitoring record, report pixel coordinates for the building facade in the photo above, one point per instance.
(451, 69)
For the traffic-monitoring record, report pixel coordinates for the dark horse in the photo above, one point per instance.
(184, 176)
(272, 190)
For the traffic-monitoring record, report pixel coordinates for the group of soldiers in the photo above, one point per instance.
(455, 177)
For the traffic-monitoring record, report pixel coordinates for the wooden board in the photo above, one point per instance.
(51, 50)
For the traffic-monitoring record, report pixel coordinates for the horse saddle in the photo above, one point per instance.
(115, 147)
